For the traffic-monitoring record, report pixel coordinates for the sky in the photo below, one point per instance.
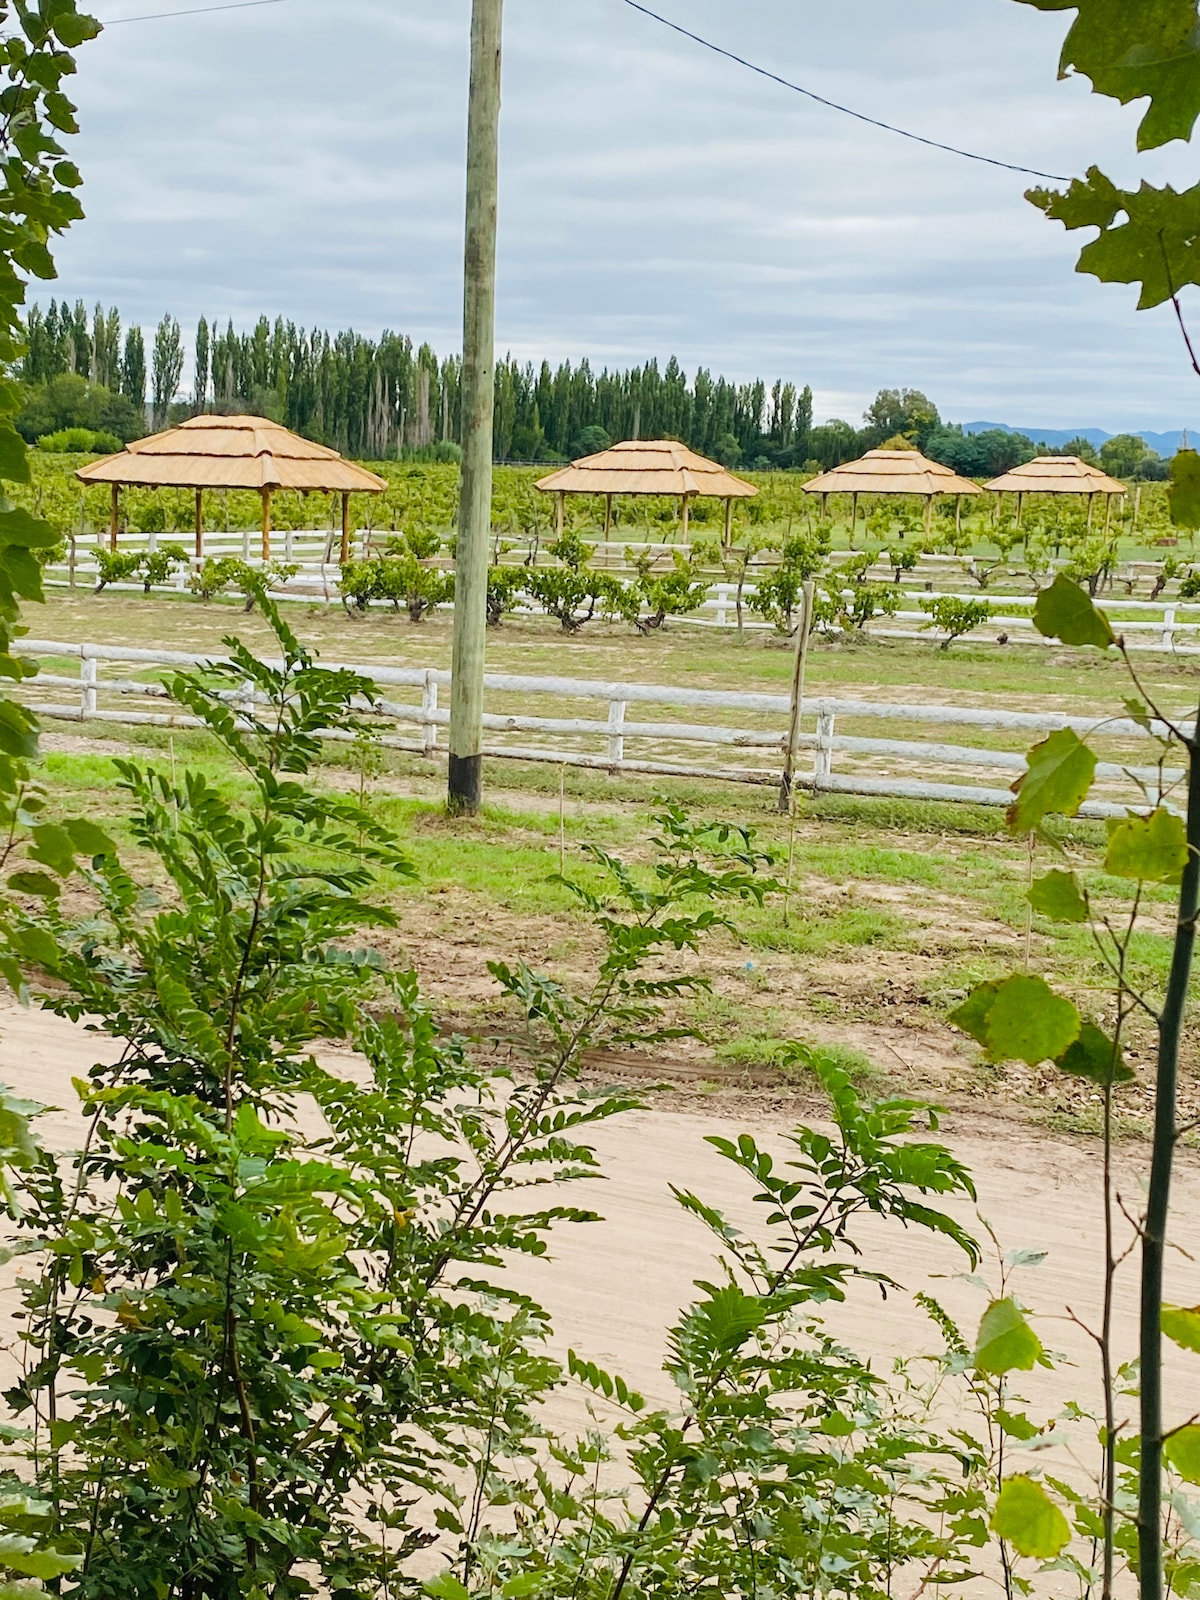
(306, 159)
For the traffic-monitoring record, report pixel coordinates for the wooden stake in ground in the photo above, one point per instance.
(803, 636)
(465, 791)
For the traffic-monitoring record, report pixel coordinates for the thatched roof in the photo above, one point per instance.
(647, 466)
(891, 472)
(231, 453)
(1056, 475)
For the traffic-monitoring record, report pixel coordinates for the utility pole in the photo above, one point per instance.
(478, 402)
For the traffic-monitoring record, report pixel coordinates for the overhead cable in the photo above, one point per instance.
(833, 105)
(194, 11)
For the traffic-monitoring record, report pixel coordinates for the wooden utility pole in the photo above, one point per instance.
(478, 403)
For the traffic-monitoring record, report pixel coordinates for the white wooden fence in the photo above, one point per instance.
(918, 768)
(1163, 624)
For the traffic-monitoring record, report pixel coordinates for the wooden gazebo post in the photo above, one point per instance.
(199, 524)
(345, 526)
(928, 516)
(560, 514)
(1020, 509)
(1091, 510)
(115, 521)
(685, 518)
(608, 514)
(958, 513)
(728, 523)
(1108, 505)
(266, 524)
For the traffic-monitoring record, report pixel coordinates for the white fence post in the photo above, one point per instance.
(823, 765)
(1168, 636)
(722, 605)
(289, 540)
(429, 705)
(616, 731)
(89, 672)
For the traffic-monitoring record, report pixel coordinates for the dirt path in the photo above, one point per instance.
(613, 1288)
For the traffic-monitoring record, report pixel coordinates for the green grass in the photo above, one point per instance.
(1028, 677)
(896, 907)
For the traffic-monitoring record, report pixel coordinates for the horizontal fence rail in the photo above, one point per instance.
(743, 730)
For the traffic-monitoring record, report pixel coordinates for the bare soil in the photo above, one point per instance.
(615, 1287)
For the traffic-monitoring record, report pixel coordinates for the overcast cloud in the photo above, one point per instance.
(306, 160)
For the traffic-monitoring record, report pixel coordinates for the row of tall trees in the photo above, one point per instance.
(385, 398)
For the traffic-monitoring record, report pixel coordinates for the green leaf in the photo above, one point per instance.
(1016, 1425)
(1182, 1326)
(1095, 1057)
(1061, 770)
(39, 883)
(1006, 1342)
(1063, 611)
(18, 1147)
(972, 1015)
(1029, 1022)
(36, 945)
(1184, 492)
(89, 839)
(1157, 245)
(52, 847)
(1148, 51)
(730, 1316)
(1182, 1450)
(1029, 1520)
(14, 456)
(447, 1587)
(21, 1554)
(1152, 849)
(1059, 897)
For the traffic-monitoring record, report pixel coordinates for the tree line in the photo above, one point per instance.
(389, 399)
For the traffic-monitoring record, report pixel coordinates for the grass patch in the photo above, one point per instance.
(796, 1060)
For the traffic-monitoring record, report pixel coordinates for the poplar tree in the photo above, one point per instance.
(168, 367)
(133, 368)
(202, 363)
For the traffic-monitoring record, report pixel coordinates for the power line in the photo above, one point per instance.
(194, 11)
(859, 116)
(707, 44)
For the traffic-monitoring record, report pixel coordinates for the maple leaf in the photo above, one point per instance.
(1147, 236)
(1150, 50)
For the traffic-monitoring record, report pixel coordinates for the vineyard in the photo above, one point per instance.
(972, 574)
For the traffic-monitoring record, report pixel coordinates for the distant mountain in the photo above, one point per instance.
(1166, 444)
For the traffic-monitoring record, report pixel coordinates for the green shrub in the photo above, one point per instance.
(955, 617)
(80, 442)
(116, 566)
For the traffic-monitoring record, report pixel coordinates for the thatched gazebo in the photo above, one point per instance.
(648, 467)
(249, 453)
(892, 472)
(1058, 475)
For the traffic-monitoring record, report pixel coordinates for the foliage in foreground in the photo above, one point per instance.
(271, 1347)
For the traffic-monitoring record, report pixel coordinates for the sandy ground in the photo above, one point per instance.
(614, 1287)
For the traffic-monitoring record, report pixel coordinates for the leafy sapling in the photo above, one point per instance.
(955, 618)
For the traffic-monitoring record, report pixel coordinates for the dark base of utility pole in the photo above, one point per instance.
(465, 790)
